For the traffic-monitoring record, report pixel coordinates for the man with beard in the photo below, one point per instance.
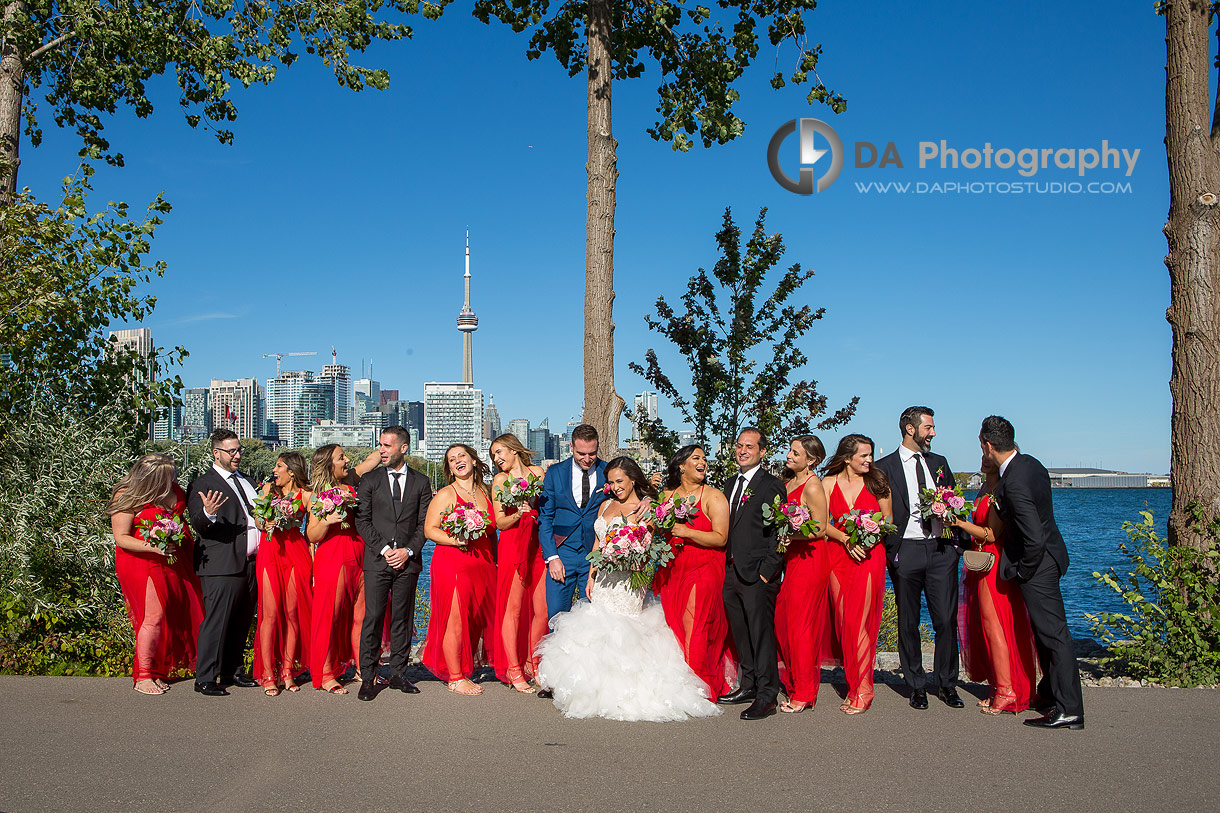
(920, 561)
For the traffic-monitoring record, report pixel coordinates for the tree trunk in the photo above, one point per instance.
(603, 406)
(12, 84)
(1193, 260)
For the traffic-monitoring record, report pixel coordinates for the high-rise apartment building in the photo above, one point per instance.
(284, 404)
(340, 378)
(646, 406)
(453, 413)
(316, 404)
(491, 420)
(521, 428)
(168, 424)
(196, 417)
(538, 438)
(237, 405)
(366, 395)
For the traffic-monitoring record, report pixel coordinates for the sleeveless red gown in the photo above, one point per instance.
(285, 605)
(801, 617)
(338, 589)
(980, 653)
(691, 589)
(519, 562)
(163, 600)
(463, 604)
(857, 590)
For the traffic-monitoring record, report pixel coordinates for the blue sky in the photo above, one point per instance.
(338, 219)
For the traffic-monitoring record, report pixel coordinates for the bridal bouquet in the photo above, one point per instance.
(164, 530)
(945, 504)
(632, 549)
(519, 491)
(331, 500)
(865, 530)
(277, 513)
(788, 518)
(665, 514)
(465, 522)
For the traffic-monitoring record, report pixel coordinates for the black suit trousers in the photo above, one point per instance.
(228, 610)
(926, 567)
(750, 607)
(1060, 674)
(383, 585)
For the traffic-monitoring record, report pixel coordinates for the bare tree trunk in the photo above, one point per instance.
(1193, 260)
(12, 83)
(603, 405)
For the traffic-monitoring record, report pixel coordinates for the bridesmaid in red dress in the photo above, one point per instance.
(463, 623)
(163, 597)
(691, 587)
(857, 575)
(285, 586)
(997, 640)
(801, 617)
(338, 578)
(520, 592)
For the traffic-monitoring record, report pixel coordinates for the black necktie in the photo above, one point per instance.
(922, 483)
(396, 489)
(584, 487)
(241, 492)
(736, 500)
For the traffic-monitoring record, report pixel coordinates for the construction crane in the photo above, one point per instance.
(279, 356)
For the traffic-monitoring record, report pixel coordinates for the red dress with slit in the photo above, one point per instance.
(691, 589)
(1012, 638)
(801, 616)
(338, 589)
(285, 604)
(519, 563)
(463, 605)
(163, 599)
(857, 590)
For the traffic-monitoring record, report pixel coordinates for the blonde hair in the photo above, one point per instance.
(513, 444)
(151, 480)
(322, 469)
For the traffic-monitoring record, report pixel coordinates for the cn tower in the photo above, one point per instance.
(468, 323)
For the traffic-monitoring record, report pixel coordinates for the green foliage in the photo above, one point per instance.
(742, 347)
(1172, 633)
(68, 274)
(700, 51)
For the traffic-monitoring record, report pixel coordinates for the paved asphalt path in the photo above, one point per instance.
(94, 744)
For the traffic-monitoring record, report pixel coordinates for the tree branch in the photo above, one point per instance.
(50, 46)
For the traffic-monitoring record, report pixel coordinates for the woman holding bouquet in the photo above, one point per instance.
(691, 587)
(338, 571)
(801, 618)
(285, 572)
(613, 657)
(459, 521)
(521, 615)
(857, 572)
(154, 565)
(993, 624)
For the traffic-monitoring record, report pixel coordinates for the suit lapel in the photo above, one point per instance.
(901, 492)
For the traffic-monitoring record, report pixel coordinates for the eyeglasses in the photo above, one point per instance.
(230, 452)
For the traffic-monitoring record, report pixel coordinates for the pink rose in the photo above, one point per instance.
(328, 505)
(869, 525)
(956, 502)
(938, 508)
(681, 511)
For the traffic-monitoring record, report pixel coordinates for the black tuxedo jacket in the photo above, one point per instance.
(751, 546)
(1023, 499)
(891, 467)
(220, 546)
(379, 525)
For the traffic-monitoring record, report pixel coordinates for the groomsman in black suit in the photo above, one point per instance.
(390, 519)
(921, 562)
(220, 503)
(1035, 557)
(753, 568)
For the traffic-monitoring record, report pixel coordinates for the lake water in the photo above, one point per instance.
(1091, 521)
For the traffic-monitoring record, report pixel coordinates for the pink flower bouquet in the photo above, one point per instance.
(865, 530)
(665, 514)
(788, 519)
(633, 549)
(333, 500)
(944, 504)
(518, 492)
(163, 531)
(278, 513)
(465, 522)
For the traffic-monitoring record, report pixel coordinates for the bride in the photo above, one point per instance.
(614, 657)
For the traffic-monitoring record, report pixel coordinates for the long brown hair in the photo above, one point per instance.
(514, 445)
(321, 469)
(814, 450)
(874, 479)
(296, 467)
(151, 480)
(480, 468)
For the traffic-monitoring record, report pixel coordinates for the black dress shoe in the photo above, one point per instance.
(402, 684)
(545, 694)
(736, 697)
(950, 696)
(919, 699)
(1057, 719)
(242, 681)
(759, 710)
(367, 692)
(211, 689)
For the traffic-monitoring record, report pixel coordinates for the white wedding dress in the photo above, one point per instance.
(616, 658)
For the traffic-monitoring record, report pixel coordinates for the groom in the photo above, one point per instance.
(572, 493)
(390, 519)
(753, 568)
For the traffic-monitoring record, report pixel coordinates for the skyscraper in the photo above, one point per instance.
(521, 428)
(140, 341)
(646, 406)
(316, 404)
(168, 424)
(453, 413)
(538, 437)
(196, 418)
(340, 377)
(467, 323)
(284, 404)
(491, 420)
(237, 405)
(367, 395)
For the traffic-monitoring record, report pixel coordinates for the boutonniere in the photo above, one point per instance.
(606, 490)
(746, 495)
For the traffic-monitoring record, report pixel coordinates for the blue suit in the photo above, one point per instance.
(566, 530)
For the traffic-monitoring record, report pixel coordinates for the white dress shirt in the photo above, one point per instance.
(401, 471)
(914, 529)
(577, 472)
(1007, 460)
(749, 475)
(253, 534)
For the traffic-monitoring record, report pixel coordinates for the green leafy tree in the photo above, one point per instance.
(742, 346)
(700, 54)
